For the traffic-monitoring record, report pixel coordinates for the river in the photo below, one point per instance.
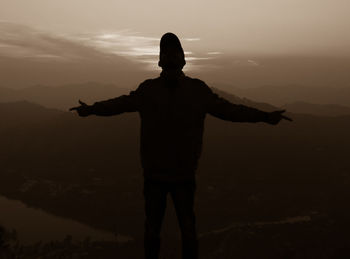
(34, 225)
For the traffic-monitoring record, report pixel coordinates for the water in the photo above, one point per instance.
(289, 220)
(34, 225)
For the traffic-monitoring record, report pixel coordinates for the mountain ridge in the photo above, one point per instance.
(65, 96)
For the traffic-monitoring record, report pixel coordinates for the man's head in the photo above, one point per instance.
(171, 54)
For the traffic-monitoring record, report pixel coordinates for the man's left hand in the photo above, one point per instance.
(276, 116)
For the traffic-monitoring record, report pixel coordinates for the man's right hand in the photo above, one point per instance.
(83, 110)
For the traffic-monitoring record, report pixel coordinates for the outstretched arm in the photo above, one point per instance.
(118, 105)
(225, 110)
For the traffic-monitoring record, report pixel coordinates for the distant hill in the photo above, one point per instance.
(299, 72)
(317, 109)
(280, 95)
(62, 97)
(66, 96)
(237, 100)
(15, 114)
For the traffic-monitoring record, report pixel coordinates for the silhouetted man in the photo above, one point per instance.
(172, 108)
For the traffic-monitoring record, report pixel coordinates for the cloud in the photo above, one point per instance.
(192, 39)
(139, 48)
(22, 41)
(253, 62)
(214, 53)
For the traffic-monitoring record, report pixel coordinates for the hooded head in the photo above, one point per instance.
(171, 54)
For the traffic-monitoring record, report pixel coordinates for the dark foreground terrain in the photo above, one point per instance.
(263, 191)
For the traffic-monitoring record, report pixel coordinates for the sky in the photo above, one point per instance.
(236, 26)
(213, 33)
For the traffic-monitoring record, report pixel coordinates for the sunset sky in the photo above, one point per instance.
(209, 30)
(260, 26)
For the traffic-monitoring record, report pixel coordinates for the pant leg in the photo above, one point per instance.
(183, 198)
(155, 203)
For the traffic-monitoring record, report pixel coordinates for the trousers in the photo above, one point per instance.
(182, 193)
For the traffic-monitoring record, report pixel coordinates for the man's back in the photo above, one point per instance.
(172, 108)
(172, 119)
